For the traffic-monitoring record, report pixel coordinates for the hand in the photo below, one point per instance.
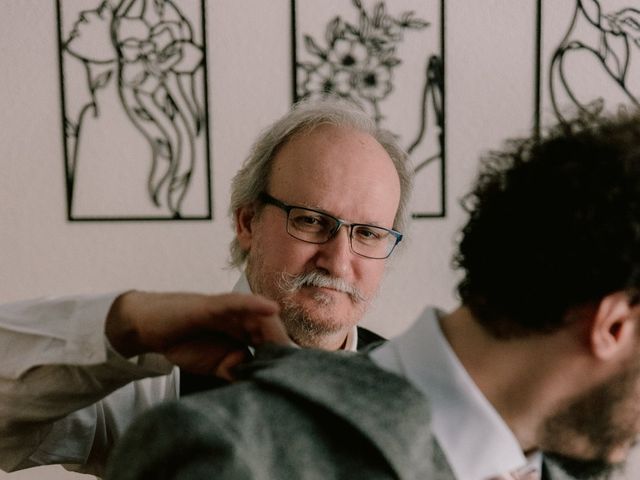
(205, 334)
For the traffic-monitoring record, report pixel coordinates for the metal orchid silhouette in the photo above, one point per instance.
(594, 64)
(143, 71)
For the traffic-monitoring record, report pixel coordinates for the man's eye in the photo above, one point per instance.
(368, 234)
(306, 221)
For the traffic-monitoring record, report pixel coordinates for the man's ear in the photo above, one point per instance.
(244, 226)
(613, 326)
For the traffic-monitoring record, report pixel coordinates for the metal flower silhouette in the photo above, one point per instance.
(357, 61)
(146, 50)
(595, 65)
(361, 60)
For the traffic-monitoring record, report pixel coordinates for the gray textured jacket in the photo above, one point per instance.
(310, 415)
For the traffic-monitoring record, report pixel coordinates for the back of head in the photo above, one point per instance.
(253, 177)
(554, 223)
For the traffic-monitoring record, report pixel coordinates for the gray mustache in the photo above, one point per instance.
(292, 283)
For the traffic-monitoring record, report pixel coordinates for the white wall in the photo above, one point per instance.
(489, 96)
(489, 82)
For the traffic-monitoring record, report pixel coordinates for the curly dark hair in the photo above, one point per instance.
(554, 223)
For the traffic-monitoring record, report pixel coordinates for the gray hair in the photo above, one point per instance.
(253, 178)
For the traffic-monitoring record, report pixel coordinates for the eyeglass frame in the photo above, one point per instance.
(267, 199)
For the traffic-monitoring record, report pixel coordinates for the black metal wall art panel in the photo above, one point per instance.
(388, 57)
(588, 54)
(134, 109)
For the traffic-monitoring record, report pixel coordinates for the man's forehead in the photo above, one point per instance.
(340, 170)
(330, 147)
(324, 133)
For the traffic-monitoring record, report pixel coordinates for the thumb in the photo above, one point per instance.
(229, 362)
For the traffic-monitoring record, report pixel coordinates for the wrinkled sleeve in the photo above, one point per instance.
(65, 394)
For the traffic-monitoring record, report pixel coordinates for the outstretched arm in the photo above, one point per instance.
(63, 358)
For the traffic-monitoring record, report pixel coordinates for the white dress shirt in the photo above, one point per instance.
(65, 394)
(476, 441)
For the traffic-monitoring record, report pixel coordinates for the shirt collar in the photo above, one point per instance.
(351, 343)
(242, 285)
(474, 438)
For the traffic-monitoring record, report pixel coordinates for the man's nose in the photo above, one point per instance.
(335, 256)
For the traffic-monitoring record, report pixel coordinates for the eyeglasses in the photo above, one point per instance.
(314, 226)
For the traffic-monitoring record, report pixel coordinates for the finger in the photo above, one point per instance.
(248, 318)
(203, 356)
(261, 330)
(243, 303)
(226, 367)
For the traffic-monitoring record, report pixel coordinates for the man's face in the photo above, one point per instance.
(592, 435)
(349, 175)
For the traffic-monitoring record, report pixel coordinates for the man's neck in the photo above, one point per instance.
(512, 374)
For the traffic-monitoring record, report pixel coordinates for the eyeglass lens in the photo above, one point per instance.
(315, 227)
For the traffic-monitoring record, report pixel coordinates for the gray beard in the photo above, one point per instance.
(305, 330)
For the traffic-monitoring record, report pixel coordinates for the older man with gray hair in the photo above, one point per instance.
(320, 164)
(86, 366)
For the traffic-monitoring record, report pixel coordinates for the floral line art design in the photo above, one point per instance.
(358, 61)
(147, 52)
(601, 43)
